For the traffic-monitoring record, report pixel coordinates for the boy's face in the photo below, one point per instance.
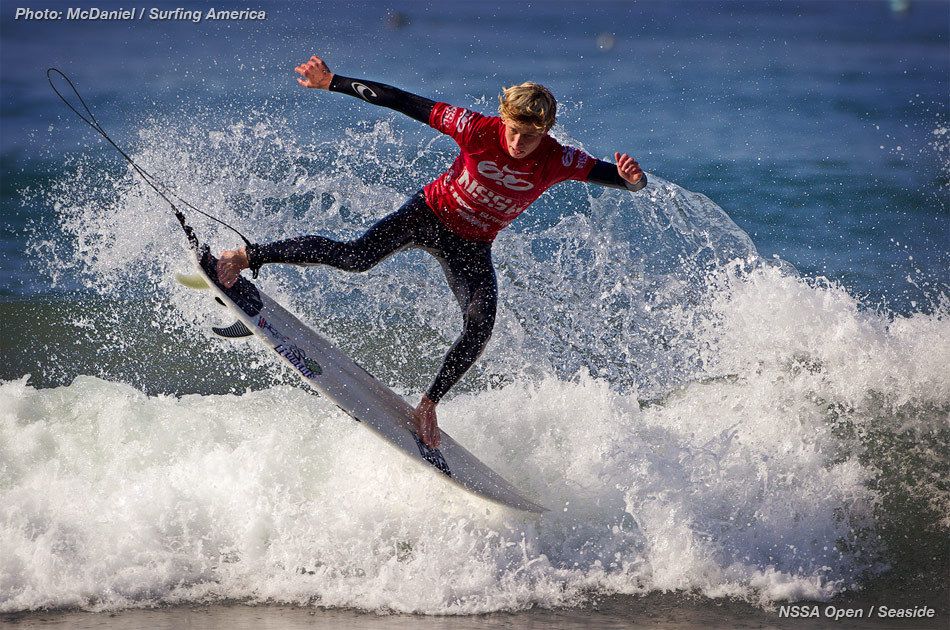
(521, 140)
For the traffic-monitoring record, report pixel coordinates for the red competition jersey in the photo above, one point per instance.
(486, 189)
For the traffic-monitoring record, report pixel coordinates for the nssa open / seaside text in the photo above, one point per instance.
(835, 612)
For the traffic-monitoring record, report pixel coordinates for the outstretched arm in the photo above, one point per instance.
(625, 174)
(317, 75)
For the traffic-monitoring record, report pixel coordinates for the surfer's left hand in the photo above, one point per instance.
(628, 168)
(230, 266)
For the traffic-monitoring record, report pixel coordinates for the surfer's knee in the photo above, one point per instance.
(480, 320)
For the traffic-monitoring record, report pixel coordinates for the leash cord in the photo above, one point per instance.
(163, 191)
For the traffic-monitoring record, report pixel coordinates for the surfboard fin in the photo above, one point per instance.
(192, 281)
(234, 331)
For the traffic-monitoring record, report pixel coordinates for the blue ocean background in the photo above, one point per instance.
(733, 384)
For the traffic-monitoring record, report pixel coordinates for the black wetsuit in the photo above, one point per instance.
(467, 264)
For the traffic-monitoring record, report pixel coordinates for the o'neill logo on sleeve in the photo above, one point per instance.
(365, 92)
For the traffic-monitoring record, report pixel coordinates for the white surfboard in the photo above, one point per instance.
(348, 385)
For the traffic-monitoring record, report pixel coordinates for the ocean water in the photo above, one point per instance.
(732, 385)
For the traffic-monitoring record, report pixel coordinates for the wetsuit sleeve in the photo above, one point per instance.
(416, 107)
(295, 251)
(606, 174)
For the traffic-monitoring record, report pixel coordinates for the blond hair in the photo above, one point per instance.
(529, 104)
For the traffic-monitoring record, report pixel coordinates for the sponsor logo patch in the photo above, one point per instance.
(568, 156)
(297, 357)
(266, 325)
(365, 92)
(463, 122)
(506, 176)
(484, 196)
(304, 364)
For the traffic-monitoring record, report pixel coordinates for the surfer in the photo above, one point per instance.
(506, 162)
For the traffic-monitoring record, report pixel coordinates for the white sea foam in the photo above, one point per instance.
(732, 486)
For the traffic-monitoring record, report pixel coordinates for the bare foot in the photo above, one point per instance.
(230, 266)
(427, 423)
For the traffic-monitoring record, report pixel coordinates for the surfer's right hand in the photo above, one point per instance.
(230, 266)
(316, 74)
